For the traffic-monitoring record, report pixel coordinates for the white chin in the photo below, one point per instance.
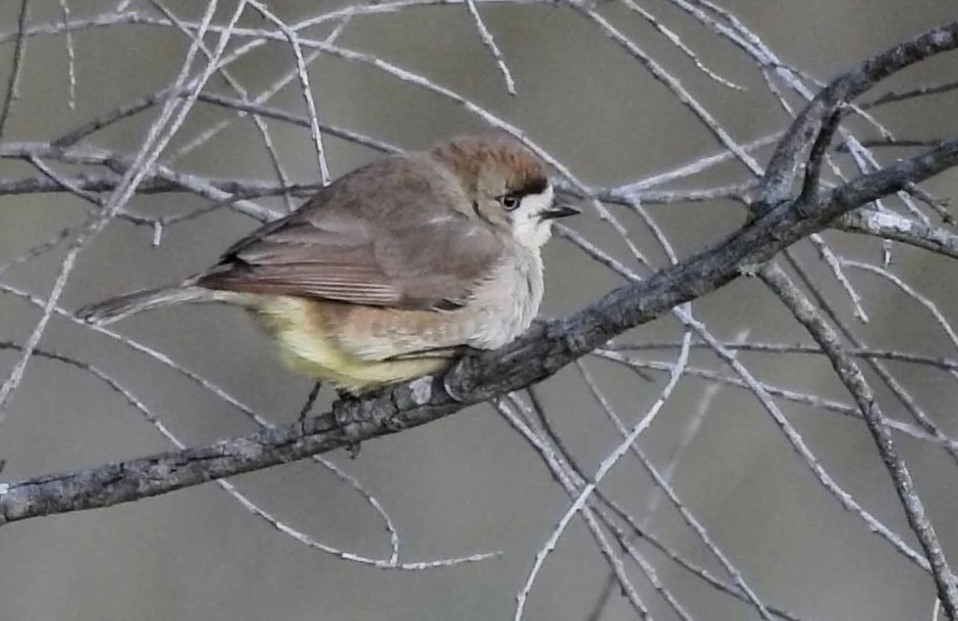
(533, 231)
(529, 227)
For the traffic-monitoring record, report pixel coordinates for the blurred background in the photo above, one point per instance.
(467, 484)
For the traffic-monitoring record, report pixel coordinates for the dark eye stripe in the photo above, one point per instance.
(536, 185)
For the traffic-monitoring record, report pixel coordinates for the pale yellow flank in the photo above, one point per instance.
(306, 347)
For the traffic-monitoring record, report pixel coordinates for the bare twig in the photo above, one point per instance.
(490, 44)
(888, 225)
(855, 382)
(302, 72)
(149, 151)
(13, 83)
(571, 482)
(71, 56)
(808, 125)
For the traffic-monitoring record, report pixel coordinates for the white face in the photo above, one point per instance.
(527, 223)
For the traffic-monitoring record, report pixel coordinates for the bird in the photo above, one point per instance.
(391, 271)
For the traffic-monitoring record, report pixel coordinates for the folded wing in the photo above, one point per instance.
(375, 237)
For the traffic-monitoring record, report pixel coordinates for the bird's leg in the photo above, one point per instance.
(310, 400)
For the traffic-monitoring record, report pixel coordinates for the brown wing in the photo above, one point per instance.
(373, 237)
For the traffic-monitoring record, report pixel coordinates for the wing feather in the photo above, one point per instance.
(374, 237)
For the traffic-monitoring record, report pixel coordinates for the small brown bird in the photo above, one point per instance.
(392, 270)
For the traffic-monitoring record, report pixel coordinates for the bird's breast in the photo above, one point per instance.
(504, 306)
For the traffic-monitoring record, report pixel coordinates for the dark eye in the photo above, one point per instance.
(510, 201)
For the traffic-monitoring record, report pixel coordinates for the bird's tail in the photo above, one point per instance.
(117, 308)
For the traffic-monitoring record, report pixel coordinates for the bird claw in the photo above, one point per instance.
(453, 393)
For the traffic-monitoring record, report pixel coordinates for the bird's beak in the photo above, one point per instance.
(561, 208)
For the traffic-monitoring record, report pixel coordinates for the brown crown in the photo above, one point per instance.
(469, 156)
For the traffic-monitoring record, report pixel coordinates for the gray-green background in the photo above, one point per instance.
(468, 483)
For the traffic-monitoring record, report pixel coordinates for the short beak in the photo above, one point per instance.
(561, 208)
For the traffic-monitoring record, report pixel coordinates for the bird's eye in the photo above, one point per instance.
(509, 201)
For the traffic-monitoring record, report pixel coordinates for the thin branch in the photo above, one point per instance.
(663, 485)
(238, 88)
(893, 384)
(810, 400)
(170, 119)
(307, 90)
(13, 83)
(566, 476)
(490, 43)
(855, 382)
(887, 225)
(813, 168)
(71, 56)
(922, 91)
(946, 364)
(674, 86)
(676, 40)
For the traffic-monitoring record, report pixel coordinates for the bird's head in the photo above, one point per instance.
(507, 186)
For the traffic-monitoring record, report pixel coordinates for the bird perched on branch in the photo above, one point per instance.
(392, 270)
